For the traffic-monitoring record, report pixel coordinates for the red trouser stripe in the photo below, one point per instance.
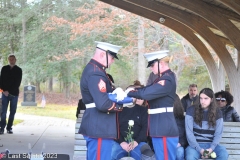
(165, 148)
(99, 148)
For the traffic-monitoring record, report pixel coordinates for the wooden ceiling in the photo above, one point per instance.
(215, 13)
(215, 21)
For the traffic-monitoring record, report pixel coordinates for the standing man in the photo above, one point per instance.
(10, 80)
(99, 126)
(191, 98)
(160, 96)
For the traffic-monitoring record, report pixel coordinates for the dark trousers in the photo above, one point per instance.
(13, 108)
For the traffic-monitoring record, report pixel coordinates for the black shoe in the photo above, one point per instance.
(10, 131)
(1, 131)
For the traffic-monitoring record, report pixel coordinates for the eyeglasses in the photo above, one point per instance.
(221, 99)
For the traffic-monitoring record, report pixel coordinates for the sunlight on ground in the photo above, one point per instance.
(17, 121)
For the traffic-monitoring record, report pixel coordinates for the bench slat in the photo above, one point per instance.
(76, 131)
(230, 140)
(232, 146)
(77, 125)
(231, 135)
(81, 142)
(230, 151)
(80, 148)
(233, 124)
(231, 129)
(79, 157)
(81, 113)
(79, 120)
(83, 153)
(78, 136)
(233, 157)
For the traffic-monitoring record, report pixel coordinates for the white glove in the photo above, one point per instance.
(120, 94)
(129, 105)
(129, 89)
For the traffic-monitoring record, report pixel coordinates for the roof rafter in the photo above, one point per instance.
(178, 27)
(220, 21)
(233, 4)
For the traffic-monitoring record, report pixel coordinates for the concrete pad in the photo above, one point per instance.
(57, 134)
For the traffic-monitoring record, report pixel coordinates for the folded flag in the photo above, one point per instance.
(113, 97)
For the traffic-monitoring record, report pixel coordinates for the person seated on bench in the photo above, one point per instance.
(138, 113)
(224, 101)
(204, 128)
(178, 111)
(81, 106)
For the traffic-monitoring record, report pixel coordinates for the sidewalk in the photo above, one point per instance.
(56, 133)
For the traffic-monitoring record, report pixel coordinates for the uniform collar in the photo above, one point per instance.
(97, 64)
(167, 71)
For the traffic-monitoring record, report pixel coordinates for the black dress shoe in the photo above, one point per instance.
(10, 131)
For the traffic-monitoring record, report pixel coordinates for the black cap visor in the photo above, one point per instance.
(112, 54)
(151, 62)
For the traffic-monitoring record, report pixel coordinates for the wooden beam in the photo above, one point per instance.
(186, 32)
(233, 4)
(195, 23)
(213, 16)
(225, 41)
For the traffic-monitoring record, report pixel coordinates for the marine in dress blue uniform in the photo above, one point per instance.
(160, 96)
(99, 126)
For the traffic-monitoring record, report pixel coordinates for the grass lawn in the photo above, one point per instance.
(51, 110)
(16, 121)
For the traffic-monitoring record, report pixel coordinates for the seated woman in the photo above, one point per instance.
(178, 111)
(204, 127)
(137, 113)
(224, 100)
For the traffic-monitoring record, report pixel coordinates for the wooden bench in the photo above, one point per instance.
(230, 139)
(80, 148)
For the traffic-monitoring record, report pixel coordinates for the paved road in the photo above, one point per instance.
(56, 133)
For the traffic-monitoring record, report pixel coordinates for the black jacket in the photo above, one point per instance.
(81, 106)
(139, 115)
(10, 79)
(187, 102)
(182, 132)
(230, 114)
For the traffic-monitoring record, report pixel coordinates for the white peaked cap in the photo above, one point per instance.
(108, 47)
(156, 55)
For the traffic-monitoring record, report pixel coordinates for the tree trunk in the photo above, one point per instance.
(67, 89)
(141, 50)
(50, 84)
(24, 30)
(38, 89)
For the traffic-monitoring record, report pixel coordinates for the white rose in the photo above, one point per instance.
(130, 122)
(213, 155)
